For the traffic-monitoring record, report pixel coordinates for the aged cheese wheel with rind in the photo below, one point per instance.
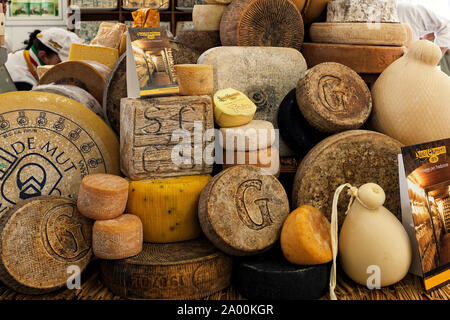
(88, 75)
(183, 270)
(269, 276)
(334, 98)
(206, 17)
(198, 40)
(379, 34)
(355, 157)
(362, 11)
(271, 23)
(48, 144)
(74, 93)
(40, 238)
(266, 75)
(362, 59)
(114, 90)
(295, 130)
(241, 211)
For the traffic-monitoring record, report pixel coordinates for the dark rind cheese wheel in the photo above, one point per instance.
(270, 276)
(88, 75)
(48, 143)
(334, 98)
(356, 157)
(362, 59)
(183, 270)
(114, 90)
(295, 130)
(242, 211)
(269, 23)
(39, 239)
(198, 40)
(183, 54)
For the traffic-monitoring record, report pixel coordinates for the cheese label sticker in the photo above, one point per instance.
(43, 153)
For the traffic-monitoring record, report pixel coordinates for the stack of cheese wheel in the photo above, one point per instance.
(115, 235)
(244, 141)
(356, 37)
(176, 261)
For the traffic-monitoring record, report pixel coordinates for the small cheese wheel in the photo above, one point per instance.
(206, 17)
(102, 196)
(167, 207)
(306, 237)
(255, 135)
(117, 238)
(268, 160)
(232, 108)
(195, 79)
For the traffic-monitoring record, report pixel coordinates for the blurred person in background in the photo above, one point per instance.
(48, 47)
(427, 24)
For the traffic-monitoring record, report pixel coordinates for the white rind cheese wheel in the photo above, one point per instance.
(255, 135)
(206, 17)
(48, 144)
(74, 93)
(362, 11)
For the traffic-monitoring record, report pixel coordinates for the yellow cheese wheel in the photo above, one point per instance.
(232, 108)
(195, 79)
(103, 55)
(167, 207)
(102, 196)
(306, 237)
(40, 70)
(117, 238)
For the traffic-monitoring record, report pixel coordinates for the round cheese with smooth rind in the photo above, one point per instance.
(232, 108)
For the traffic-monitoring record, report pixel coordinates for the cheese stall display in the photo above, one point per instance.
(273, 173)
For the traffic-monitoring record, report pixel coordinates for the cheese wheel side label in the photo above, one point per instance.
(44, 153)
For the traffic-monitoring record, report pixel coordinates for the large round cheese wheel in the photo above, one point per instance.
(40, 238)
(88, 75)
(183, 270)
(334, 98)
(48, 144)
(313, 10)
(206, 17)
(412, 97)
(362, 11)
(270, 276)
(241, 210)
(74, 93)
(380, 34)
(362, 59)
(355, 157)
(114, 90)
(272, 23)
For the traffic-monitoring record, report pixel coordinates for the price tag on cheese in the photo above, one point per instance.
(232, 108)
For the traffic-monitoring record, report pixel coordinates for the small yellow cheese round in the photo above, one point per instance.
(232, 108)
(305, 237)
(195, 79)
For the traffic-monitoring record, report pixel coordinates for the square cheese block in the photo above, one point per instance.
(264, 74)
(166, 136)
(103, 55)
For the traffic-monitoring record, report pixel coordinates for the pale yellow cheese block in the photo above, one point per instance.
(41, 70)
(103, 55)
(195, 79)
(232, 108)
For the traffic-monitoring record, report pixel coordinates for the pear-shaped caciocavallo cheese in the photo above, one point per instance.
(411, 98)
